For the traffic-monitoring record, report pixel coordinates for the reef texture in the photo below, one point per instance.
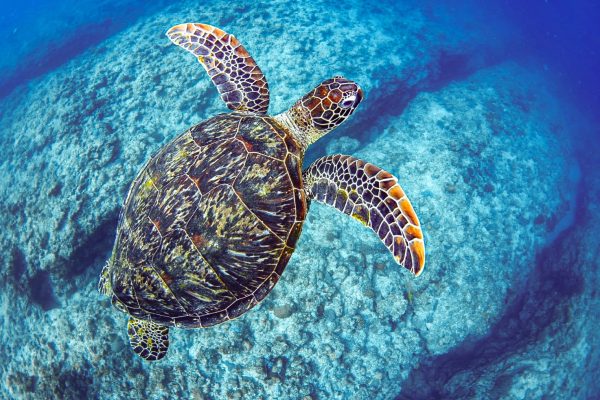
(498, 312)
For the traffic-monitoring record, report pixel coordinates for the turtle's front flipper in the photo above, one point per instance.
(149, 340)
(372, 196)
(242, 85)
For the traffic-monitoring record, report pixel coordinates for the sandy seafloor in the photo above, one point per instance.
(486, 145)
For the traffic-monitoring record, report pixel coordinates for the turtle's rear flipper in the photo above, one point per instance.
(372, 196)
(104, 283)
(240, 82)
(149, 340)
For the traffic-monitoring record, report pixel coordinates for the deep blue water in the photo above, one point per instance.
(38, 36)
(562, 39)
(557, 41)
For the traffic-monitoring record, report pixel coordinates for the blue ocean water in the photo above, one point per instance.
(486, 113)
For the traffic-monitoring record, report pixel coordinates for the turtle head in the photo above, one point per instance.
(330, 103)
(322, 109)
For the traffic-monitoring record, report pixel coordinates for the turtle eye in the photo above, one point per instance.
(348, 102)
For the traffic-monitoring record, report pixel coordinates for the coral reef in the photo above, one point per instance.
(484, 154)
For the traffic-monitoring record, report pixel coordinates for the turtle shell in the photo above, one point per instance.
(209, 223)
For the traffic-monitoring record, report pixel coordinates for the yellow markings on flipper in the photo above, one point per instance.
(396, 192)
(409, 212)
(418, 250)
(360, 219)
(399, 240)
(414, 231)
(377, 201)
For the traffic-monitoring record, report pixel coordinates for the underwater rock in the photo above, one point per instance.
(545, 344)
(481, 159)
(481, 236)
(483, 252)
(283, 311)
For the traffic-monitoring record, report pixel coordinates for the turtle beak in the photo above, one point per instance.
(359, 96)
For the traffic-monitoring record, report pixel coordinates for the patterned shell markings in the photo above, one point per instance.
(210, 222)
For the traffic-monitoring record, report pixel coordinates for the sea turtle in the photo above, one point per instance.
(211, 220)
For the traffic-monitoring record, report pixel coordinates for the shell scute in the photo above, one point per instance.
(237, 245)
(221, 127)
(152, 293)
(171, 161)
(241, 306)
(217, 164)
(264, 187)
(213, 318)
(205, 225)
(174, 206)
(190, 276)
(262, 137)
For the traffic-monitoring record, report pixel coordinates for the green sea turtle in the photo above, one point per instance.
(211, 221)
